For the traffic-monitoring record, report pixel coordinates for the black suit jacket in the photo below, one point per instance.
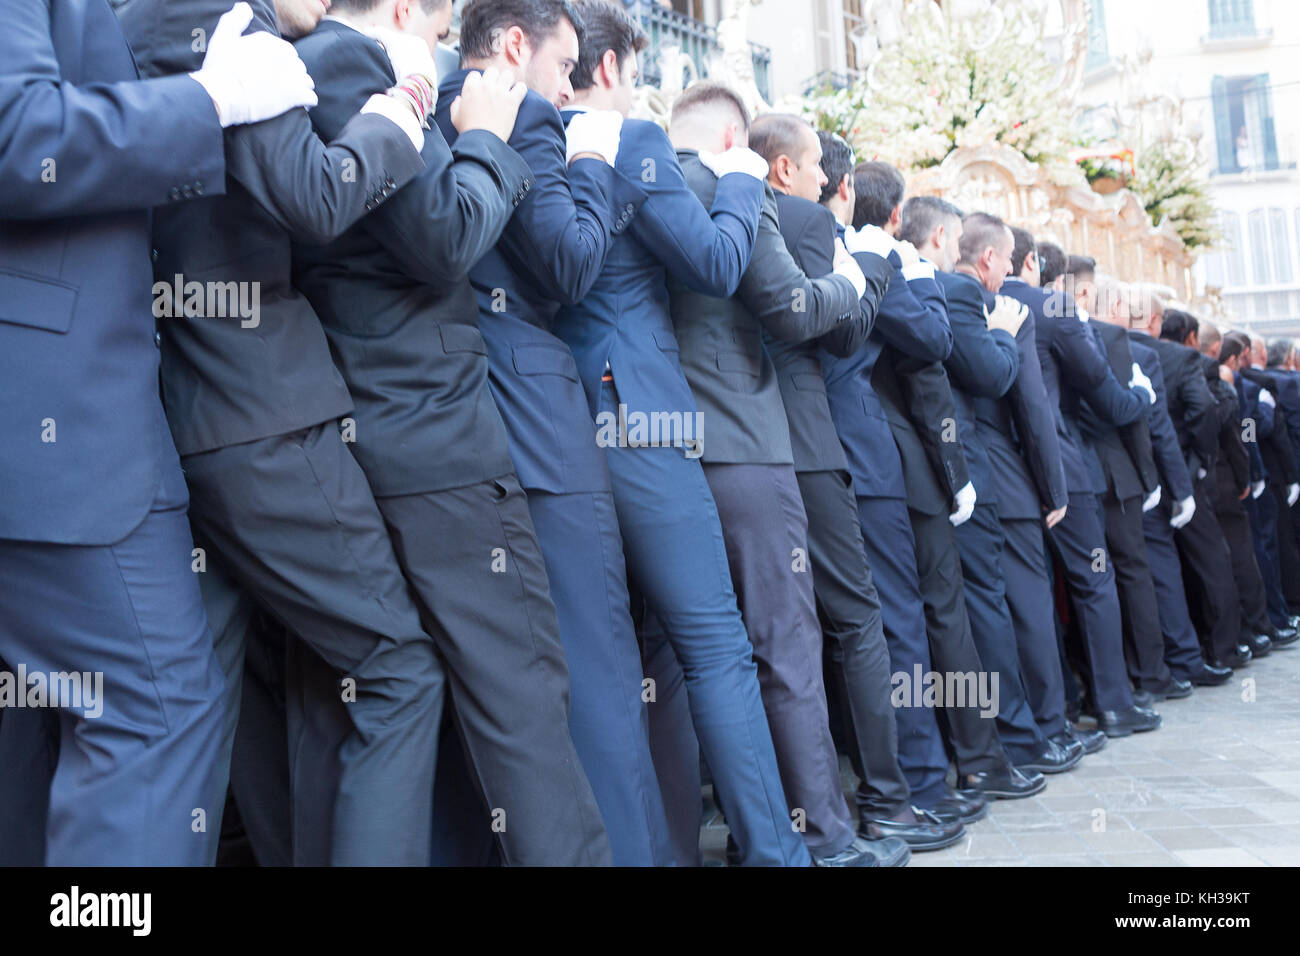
(730, 372)
(1232, 467)
(983, 364)
(1123, 452)
(234, 379)
(1192, 408)
(1175, 480)
(394, 293)
(809, 232)
(1275, 448)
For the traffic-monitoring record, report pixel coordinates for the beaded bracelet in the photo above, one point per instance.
(419, 93)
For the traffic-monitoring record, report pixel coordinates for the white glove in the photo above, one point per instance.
(1183, 512)
(401, 114)
(1256, 489)
(847, 266)
(255, 77)
(1141, 381)
(594, 131)
(407, 52)
(1266, 398)
(965, 502)
(1292, 493)
(870, 239)
(1200, 473)
(1152, 500)
(738, 159)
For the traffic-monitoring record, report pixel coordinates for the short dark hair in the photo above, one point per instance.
(365, 6)
(920, 216)
(777, 134)
(605, 26)
(1177, 325)
(1079, 265)
(837, 162)
(482, 21)
(709, 92)
(980, 230)
(1025, 244)
(879, 189)
(1052, 258)
(1234, 343)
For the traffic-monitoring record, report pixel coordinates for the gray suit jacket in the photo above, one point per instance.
(729, 371)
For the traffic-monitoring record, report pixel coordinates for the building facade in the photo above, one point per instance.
(1236, 64)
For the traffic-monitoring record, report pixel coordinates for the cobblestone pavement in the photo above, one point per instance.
(1217, 785)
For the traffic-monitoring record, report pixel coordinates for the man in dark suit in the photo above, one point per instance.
(253, 398)
(697, 652)
(550, 255)
(1277, 357)
(1129, 487)
(1073, 368)
(1182, 649)
(1024, 452)
(913, 311)
(855, 654)
(749, 466)
(1233, 477)
(984, 364)
(395, 299)
(1201, 544)
(93, 493)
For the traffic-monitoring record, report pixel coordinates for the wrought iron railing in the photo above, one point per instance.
(698, 40)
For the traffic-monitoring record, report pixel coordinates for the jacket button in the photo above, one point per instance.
(629, 209)
(175, 194)
(153, 254)
(157, 340)
(198, 188)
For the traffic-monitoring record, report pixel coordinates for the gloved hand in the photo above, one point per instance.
(847, 266)
(1292, 493)
(907, 252)
(1200, 473)
(870, 239)
(1266, 398)
(400, 113)
(1141, 381)
(1152, 500)
(407, 52)
(594, 131)
(254, 77)
(965, 505)
(1008, 315)
(1256, 489)
(738, 159)
(1183, 512)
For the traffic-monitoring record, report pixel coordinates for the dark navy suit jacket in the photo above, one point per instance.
(1073, 368)
(624, 320)
(913, 319)
(550, 255)
(86, 149)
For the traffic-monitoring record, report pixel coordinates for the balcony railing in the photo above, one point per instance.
(698, 40)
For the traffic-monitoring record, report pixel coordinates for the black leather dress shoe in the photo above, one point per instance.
(1121, 723)
(1090, 740)
(1259, 644)
(1143, 698)
(1007, 783)
(1054, 759)
(1174, 690)
(919, 829)
(857, 853)
(1244, 652)
(963, 808)
(1285, 637)
(1212, 675)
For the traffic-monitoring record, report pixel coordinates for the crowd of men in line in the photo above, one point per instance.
(566, 465)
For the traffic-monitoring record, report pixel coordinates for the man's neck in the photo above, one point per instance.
(360, 22)
(969, 270)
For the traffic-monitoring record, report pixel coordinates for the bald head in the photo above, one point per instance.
(709, 116)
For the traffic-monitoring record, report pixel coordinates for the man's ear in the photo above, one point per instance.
(845, 185)
(937, 235)
(515, 46)
(896, 217)
(609, 69)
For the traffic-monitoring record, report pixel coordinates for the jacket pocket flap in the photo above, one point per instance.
(667, 342)
(545, 360)
(37, 303)
(462, 338)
